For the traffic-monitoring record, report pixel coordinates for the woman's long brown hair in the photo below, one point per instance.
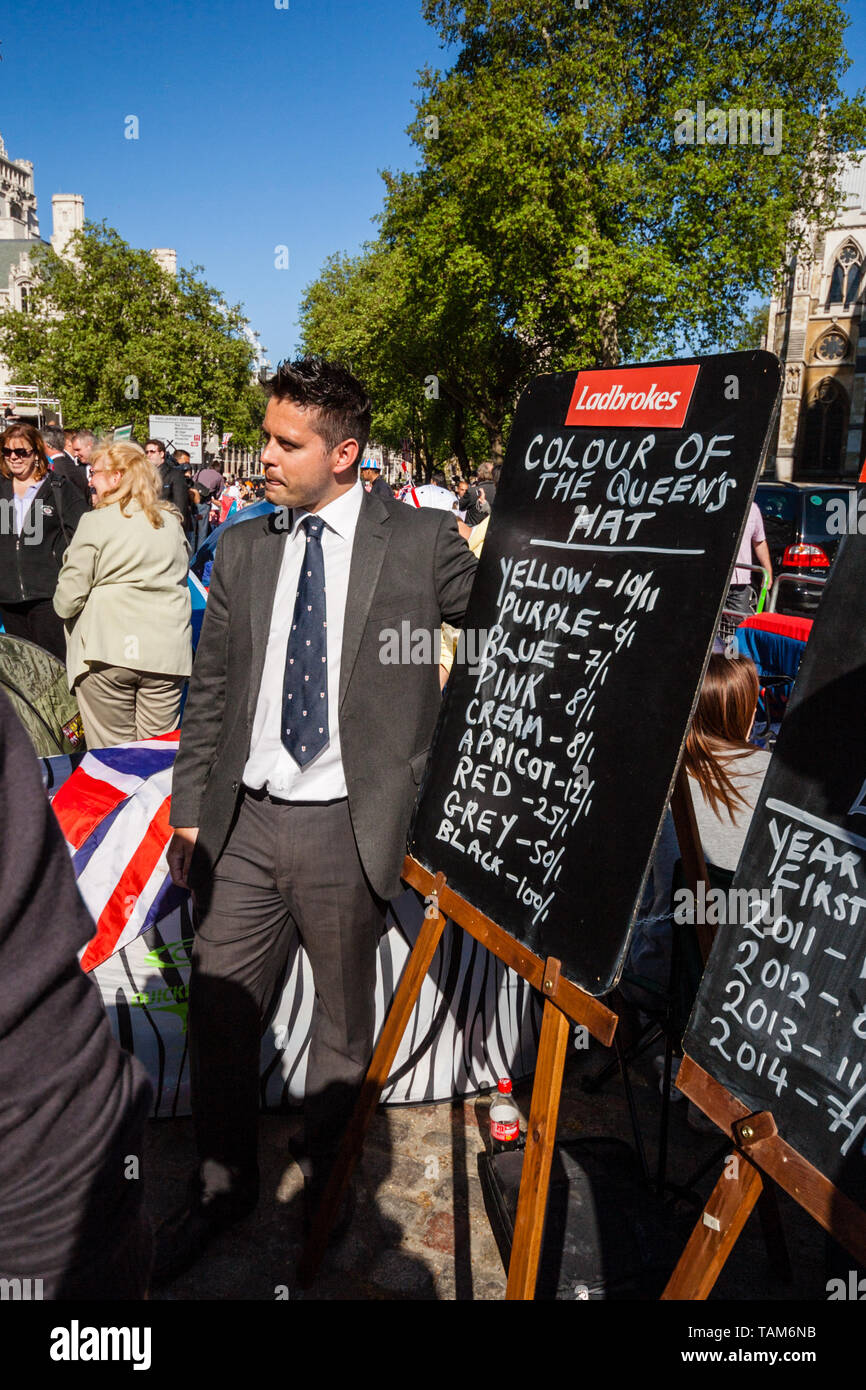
(720, 730)
(33, 439)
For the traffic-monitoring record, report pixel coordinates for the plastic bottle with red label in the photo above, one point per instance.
(504, 1120)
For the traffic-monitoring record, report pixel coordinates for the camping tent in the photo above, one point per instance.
(35, 682)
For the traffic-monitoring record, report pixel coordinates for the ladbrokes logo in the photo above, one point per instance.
(637, 396)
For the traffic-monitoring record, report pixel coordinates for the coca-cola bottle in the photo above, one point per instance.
(504, 1120)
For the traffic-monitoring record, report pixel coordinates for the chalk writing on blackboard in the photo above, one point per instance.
(603, 572)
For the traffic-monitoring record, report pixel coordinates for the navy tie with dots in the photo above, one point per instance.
(305, 683)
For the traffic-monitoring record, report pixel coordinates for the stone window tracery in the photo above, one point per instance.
(833, 347)
(846, 281)
(824, 428)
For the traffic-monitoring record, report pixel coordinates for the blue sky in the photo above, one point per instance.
(258, 127)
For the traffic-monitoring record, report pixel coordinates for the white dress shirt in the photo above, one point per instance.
(269, 764)
(21, 504)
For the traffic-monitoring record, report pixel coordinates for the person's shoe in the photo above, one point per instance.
(181, 1239)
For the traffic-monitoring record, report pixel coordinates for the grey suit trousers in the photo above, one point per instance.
(287, 867)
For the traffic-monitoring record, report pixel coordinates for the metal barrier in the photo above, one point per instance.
(820, 580)
(732, 617)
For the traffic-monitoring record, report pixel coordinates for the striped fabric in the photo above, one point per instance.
(113, 812)
(474, 1022)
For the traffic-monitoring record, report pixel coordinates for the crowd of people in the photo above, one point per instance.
(278, 825)
(102, 565)
(95, 542)
(107, 596)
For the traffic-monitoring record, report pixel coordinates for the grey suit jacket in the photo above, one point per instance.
(407, 564)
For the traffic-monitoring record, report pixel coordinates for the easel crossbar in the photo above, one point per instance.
(570, 998)
(768, 1151)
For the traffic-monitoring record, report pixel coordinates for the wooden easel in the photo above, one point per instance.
(760, 1151)
(564, 1003)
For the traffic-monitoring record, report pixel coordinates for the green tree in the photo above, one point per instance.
(752, 331)
(357, 310)
(117, 339)
(571, 210)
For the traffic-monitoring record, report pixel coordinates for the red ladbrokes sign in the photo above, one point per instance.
(631, 396)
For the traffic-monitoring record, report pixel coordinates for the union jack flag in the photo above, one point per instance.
(474, 1020)
(113, 811)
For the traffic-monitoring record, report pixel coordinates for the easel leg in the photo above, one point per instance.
(632, 1108)
(394, 1027)
(532, 1202)
(713, 1238)
(774, 1234)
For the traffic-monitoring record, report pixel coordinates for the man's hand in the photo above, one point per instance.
(179, 854)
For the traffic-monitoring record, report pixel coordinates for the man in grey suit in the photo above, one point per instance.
(300, 757)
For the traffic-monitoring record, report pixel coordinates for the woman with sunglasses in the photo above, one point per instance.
(39, 512)
(123, 592)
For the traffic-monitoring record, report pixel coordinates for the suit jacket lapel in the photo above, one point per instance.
(372, 536)
(267, 557)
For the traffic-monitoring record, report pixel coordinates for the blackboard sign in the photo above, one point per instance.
(613, 533)
(780, 1018)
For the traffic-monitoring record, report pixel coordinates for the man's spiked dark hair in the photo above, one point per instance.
(343, 406)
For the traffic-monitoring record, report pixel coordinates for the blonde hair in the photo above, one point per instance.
(140, 481)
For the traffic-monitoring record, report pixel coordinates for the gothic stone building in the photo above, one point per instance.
(19, 233)
(818, 328)
(19, 236)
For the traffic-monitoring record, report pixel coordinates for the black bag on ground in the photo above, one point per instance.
(606, 1235)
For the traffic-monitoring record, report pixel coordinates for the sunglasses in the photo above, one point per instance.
(16, 453)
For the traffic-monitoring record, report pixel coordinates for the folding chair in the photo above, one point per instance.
(667, 1011)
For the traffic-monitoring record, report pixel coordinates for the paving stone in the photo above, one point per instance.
(489, 1290)
(393, 1170)
(394, 1210)
(439, 1232)
(465, 1192)
(437, 1139)
(392, 1126)
(405, 1274)
(402, 1241)
(290, 1184)
(356, 1251)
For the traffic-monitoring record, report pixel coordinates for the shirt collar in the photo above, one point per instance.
(341, 515)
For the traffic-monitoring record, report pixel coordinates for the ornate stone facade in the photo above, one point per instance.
(18, 219)
(166, 256)
(817, 325)
(19, 236)
(67, 214)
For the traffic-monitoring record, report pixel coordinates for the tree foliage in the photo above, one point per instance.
(560, 218)
(752, 331)
(357, 311)
(117, 338)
